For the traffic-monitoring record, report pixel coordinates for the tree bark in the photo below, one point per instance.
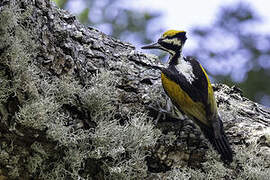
(41, 45)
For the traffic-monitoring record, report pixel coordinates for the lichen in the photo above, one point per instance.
(63, 121)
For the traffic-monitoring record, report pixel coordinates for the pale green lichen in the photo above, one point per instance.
(110, 139)
(249, 163)
(114, 140)
(14, 58)
(98, 95)
(253, 162)
(38, 114)
(59, 149)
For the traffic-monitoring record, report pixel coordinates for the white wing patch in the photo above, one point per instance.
(185, 68)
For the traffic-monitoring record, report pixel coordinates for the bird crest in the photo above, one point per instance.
(171, 33)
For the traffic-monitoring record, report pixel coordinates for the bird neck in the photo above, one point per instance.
(176, 58)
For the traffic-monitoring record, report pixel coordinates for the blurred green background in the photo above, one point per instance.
(230, 48)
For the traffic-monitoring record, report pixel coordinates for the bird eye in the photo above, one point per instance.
(160, 40)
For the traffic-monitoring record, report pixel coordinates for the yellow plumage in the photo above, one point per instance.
(182, 99)
(211, 97)
(171, 33)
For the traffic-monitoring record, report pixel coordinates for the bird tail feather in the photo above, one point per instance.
(220, 143)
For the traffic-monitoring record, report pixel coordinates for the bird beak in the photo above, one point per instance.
(152, 46)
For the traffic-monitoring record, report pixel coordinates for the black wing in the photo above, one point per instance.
(198, 89)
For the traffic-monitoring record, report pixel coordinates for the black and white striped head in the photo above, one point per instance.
(171, 41)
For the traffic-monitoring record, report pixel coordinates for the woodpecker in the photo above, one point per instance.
(186, 83)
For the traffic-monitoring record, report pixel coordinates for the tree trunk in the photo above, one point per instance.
(76, 103)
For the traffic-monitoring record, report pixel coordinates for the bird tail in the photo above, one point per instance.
(220, 142)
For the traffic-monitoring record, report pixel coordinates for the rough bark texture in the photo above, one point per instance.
(41, 46)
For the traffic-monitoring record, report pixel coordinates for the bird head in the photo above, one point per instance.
(171, 41)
